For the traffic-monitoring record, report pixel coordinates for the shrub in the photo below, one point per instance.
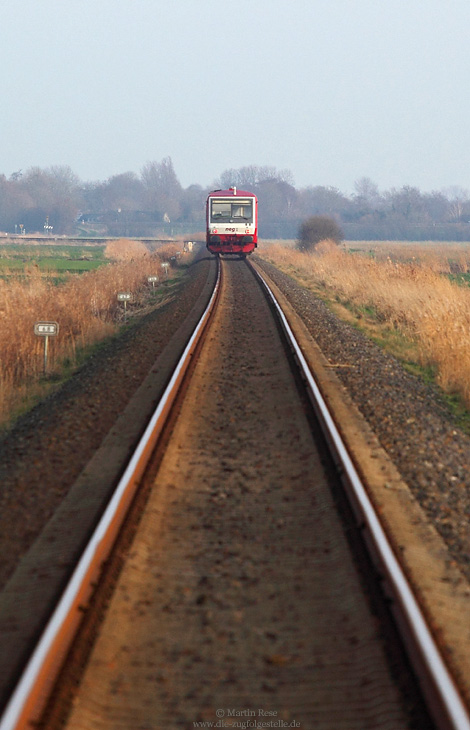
(318, 228)
(124, 249)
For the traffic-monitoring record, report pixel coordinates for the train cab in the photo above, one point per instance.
(232, 222)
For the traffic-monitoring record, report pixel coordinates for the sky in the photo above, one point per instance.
(332, 90)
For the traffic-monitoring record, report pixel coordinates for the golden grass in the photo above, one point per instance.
(124, 249)
(405, 289)
(443, 258)
(85, 307)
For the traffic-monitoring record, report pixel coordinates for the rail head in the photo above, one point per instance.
(29, 696)
(31, 692)
(438, 685)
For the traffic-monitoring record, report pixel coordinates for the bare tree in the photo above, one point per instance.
(249, 177)
(457, 198)
(163, 191)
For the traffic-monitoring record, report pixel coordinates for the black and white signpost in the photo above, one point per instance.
(46, 330)
(124, 296)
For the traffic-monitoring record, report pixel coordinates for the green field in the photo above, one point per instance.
(461, 279)
(50, 259)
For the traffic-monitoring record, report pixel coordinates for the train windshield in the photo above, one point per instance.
(228, 211)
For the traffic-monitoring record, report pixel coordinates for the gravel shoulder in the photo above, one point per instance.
(409, 417)
(45, 452)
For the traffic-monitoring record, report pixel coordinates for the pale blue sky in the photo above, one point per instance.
(333, 90)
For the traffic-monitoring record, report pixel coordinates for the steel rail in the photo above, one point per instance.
(439, 688)
(33, 688)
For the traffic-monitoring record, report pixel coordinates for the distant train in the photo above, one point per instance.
(231, 222)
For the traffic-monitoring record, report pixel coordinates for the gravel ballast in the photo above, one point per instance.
(409, 417)
(45, 452)
(47, 449)
(240, 590)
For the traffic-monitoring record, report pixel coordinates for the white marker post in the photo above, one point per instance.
(46, 330)
(124, 296)
(151, 280)
(166, 266)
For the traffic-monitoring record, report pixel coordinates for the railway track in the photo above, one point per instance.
(239, 598)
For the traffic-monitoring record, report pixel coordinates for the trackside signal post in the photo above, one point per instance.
(46, 330)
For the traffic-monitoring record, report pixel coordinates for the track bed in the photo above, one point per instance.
(240, 595)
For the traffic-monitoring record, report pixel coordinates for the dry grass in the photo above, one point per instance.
(85, 307)
(124, 249)
(443, 258)
(405, 289)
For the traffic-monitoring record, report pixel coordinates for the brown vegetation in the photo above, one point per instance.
(86, 308)
(124, 249)
(410, 296)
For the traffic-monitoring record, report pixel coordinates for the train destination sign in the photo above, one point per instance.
(46, 329)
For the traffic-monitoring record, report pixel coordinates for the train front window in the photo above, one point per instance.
(221, 211)
(226, 211)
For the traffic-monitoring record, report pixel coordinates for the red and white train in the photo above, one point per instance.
(231, 222)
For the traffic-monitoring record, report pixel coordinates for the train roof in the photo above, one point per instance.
(231, 192)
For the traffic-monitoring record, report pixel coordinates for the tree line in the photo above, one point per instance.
(154, 203)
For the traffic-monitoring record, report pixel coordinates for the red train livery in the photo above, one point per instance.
(232, 222)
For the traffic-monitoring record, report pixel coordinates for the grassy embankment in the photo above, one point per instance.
(40, 287)
(412, 299)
